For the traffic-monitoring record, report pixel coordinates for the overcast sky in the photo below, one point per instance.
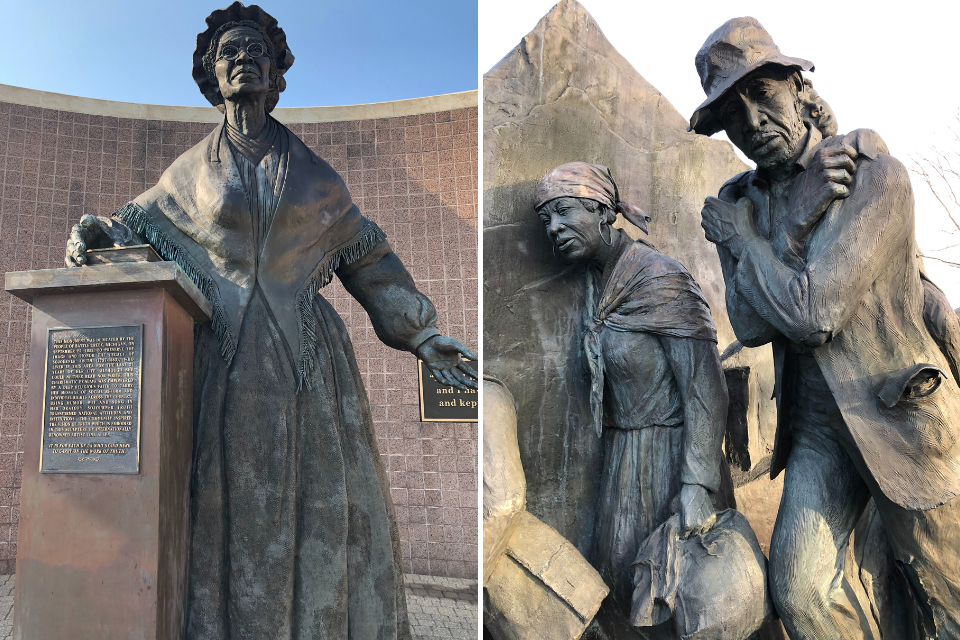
(141, 51)
(884, 66)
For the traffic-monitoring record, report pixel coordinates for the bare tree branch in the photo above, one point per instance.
(949, 262)
(938, 169)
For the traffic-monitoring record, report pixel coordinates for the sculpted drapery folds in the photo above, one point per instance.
(658, 394)
(819, 258)
(292, 534)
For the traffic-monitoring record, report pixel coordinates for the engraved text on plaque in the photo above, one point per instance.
(91, 402)
(443, 403)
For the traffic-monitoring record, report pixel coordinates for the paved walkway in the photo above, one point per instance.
(6, 607)
(442, 607)
(439, 607)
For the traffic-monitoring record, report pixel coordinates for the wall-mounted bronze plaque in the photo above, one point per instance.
(441, 403)
(91, 400)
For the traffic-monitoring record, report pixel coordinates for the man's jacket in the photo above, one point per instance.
(852, 294)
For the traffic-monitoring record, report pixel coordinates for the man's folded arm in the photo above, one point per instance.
(812, 305)
(751, 329)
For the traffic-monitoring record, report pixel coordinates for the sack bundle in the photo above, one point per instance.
(714, 585)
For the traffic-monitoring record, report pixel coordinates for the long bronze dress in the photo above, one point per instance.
(293, 535)
(658, 391)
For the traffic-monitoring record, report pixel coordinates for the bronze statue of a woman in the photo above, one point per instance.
(658, 393)
(292, 533)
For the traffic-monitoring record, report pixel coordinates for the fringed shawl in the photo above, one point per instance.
(646, 291)
(198, 216)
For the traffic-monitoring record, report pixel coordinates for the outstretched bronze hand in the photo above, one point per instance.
(442, 355)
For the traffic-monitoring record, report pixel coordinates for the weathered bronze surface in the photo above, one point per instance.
(91, 400)
(590, 328)
(565, 93)
(819, 258)
(293, 533)
(536, 584)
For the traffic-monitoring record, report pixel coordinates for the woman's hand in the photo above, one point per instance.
(442, 355)
(87, 235)
(697, 514)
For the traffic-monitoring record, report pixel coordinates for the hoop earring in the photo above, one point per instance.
(605, 241)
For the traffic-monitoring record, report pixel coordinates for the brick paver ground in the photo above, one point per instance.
(6, 607)
(439, 607)
(442, 607)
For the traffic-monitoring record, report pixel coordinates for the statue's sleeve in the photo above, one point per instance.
(703, 391)
(812, 305)
(751, 330)
(402, 317)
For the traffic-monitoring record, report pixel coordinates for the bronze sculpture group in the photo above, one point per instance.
(818, 259)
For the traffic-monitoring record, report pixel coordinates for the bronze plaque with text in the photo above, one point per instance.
(443, 403)
(91, 400)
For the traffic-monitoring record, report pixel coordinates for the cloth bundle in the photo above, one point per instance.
(714, 585)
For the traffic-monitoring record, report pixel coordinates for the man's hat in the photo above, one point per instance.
(731, 52)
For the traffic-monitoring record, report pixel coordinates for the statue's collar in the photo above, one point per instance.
(811, 139)
(269, 132)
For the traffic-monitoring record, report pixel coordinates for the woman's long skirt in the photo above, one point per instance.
(638, 487)
(293, 535)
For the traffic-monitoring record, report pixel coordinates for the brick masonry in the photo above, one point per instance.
(416, 176)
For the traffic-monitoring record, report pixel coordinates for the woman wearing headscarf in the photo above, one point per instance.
(658, 394)
(292, 529)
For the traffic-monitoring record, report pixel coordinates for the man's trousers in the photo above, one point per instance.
(826, 488)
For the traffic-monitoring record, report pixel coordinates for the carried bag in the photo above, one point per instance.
(714, 585)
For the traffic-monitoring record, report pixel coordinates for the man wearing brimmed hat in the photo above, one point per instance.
(818, 254)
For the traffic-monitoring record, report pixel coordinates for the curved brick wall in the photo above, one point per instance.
(411, 166)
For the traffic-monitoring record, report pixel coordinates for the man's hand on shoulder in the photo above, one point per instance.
(827, 179)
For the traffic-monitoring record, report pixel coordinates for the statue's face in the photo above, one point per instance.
(819, 114)
(245, 73)
(573, 229)
(762, 116)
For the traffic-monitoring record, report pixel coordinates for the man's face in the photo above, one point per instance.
(238, 70)
(761, 116)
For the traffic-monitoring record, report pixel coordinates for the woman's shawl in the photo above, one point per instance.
(198, 216)
(646, 291)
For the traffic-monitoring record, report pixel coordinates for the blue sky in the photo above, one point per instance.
(347, 52)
